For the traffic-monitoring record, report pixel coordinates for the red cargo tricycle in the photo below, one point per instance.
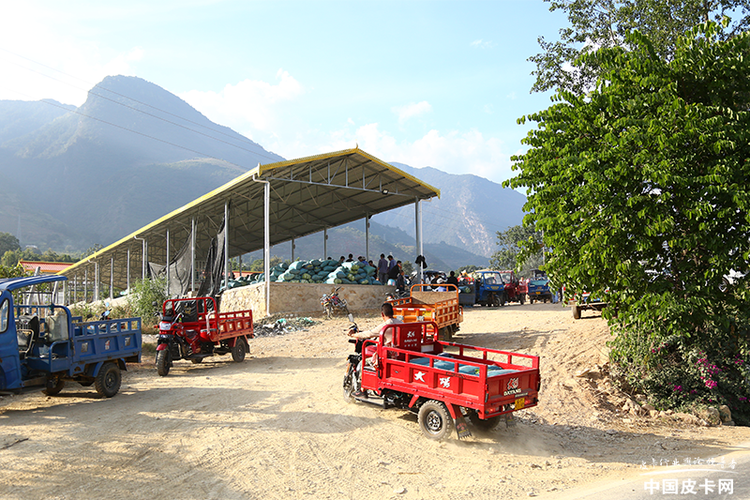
(416, 373)
(194, 329)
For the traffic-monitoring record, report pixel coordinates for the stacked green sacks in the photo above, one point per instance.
(316, 271)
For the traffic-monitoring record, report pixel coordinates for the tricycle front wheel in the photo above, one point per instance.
(434, 420)
(163, 362)
(350, 384)
(53, 386)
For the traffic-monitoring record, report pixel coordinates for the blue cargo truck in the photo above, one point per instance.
(538, 287)
(42, 345)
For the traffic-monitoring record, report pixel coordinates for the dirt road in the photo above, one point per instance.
(276, 426)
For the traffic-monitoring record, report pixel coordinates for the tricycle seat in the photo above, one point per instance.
(441, 364)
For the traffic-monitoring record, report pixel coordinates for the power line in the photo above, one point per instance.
(136, 109)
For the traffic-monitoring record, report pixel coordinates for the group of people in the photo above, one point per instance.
(390, 271)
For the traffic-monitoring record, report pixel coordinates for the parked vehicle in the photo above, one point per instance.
(417, 374)
(538, 287)
(194, 329)
(584, 301)
(42, 346)
(515, 291)
(488, 289)
(333, 304)
(422, 304)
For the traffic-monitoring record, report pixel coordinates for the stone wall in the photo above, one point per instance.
(301, 298)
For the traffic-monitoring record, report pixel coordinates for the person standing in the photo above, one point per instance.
(452, 280)
(391, 263)
(382, 269)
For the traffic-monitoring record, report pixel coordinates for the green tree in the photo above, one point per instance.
(520, 247)
(8, 242)
(641, 187)
(147, 297)
(605, 23)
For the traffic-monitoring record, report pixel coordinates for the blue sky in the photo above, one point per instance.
(426, 83)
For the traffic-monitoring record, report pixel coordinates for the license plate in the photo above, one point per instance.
(520, 403)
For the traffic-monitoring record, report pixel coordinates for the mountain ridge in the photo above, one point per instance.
(134, 152)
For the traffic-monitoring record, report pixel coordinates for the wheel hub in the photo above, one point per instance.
(434, 422)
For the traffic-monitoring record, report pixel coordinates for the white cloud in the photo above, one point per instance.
(411, 110)
(456, 152)
(482, 44)
(250, 104)
(43, 56)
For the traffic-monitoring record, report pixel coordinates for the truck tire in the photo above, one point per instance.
(239, 349)
(108, 380)
(54, 386)
(163, 362)
(486, 424)
(495, 301)
(503, 299)
(434, 420)
(576, 312)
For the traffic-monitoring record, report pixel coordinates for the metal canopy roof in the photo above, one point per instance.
(308, 195)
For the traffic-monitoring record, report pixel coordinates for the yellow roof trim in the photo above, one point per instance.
(325, 156)
(258, 171)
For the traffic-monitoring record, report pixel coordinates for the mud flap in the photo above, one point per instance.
(462, 429)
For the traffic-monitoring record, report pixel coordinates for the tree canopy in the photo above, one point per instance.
(518, 247)
(605, 23)
(8, 242)
(640, 187)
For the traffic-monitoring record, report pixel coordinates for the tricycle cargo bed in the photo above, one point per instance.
(490, 381)
(441, 307)
(92, 342)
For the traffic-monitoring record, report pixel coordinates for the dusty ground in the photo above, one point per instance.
(276, 426)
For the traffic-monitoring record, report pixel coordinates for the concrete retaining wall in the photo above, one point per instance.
(301, 298)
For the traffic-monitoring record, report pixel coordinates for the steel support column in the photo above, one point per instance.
(226, 245)
(325, 243)
(167, 264)
(418, 223)
(192, 255)
(267, 243)
(112, 277)
(367, 238)
(96, 281)
(128, 272)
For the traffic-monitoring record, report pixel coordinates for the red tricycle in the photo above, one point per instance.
(416, 373)
(194, 329)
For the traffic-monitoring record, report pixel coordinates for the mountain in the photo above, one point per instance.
(74, 177)
(470, 211)
(113, 165)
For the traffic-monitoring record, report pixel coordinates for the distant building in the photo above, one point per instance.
(45, 267)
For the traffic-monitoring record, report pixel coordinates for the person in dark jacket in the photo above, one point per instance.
(452, 280)
(394, 272)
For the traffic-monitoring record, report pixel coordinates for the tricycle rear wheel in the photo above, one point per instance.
(434, 420)
(239, 349)
(107, 381)
(163, 362)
